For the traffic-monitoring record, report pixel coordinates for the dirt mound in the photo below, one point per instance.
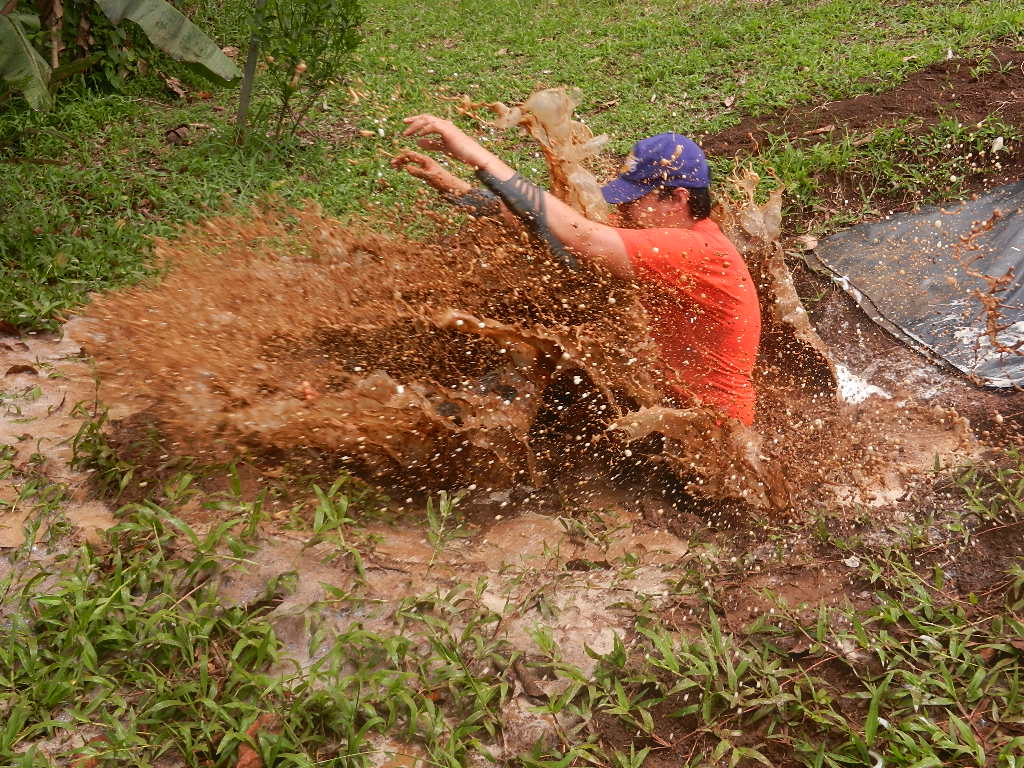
(967, 89)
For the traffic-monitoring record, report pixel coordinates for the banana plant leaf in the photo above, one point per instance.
(172, 33)
(21, 66)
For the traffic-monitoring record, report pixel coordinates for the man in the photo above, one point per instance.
(702, 302)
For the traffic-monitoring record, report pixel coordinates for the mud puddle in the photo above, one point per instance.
(536, 572)
(47, 386)
(474, 360)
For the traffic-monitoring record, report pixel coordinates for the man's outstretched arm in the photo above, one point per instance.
(480, 202)
(547, 214)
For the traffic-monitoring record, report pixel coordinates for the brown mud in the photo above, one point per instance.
(475, 359)
(43, 380)
(427, 365)
(968, 90)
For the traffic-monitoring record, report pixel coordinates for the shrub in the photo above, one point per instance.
(305, 45)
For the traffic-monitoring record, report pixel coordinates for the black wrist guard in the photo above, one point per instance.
(526, 200)
(478, 202)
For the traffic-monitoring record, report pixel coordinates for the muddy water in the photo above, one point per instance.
(472, 359)
(43, 380)
(475, 359)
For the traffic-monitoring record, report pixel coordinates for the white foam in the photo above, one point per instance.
(854, 389)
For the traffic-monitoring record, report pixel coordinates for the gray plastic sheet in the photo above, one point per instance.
(926, 277)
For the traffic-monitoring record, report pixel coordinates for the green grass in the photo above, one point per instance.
(126, 645)
(670, 64)
(86, 187)
(885, 169)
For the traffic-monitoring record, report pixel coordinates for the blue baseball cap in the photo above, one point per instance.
(665, 160)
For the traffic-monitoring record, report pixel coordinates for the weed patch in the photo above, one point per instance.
(88, 185)
(125, 652)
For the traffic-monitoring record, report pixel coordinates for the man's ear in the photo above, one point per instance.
(681, 195)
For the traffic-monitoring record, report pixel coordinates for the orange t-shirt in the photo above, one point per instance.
(704, 313)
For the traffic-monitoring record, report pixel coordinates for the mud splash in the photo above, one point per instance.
(474, 359)
(566, 143)
(420, 362)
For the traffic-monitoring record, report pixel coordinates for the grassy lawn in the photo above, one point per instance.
(123, 651)
(85, 187)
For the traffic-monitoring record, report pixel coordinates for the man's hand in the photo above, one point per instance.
(451, 139)
(568, 227)
(423, 167)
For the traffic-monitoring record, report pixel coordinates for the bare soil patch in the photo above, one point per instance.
(965, 90)
(968, 90)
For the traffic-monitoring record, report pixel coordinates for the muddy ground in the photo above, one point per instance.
(966, 90)
(581, 559)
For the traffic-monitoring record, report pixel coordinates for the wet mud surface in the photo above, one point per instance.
(45, 380)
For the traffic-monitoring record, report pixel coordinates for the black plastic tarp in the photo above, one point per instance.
(926, 277)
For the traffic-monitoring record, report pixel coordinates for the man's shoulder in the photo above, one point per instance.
(705, 235)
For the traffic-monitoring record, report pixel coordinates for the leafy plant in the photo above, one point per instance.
(21, 66)
(24, 69)
(92, 452)
(444, 522)
(305, 45)
(171, 32)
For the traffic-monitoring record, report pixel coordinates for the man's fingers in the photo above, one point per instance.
(420, 125)
(407, 157)
(417, 125)
(433, 144)
(416, 157)
(425, 125)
